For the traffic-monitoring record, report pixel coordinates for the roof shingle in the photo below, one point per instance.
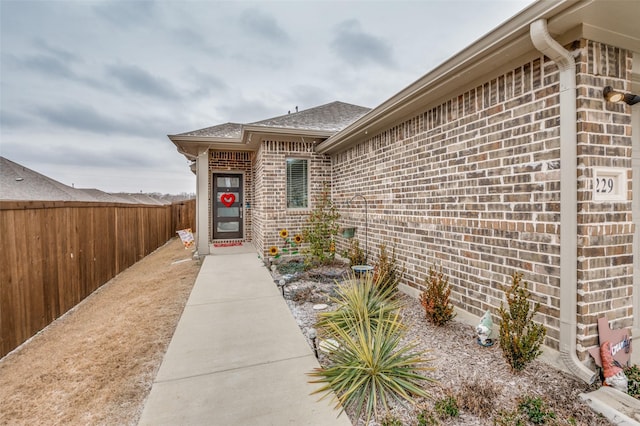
(331, 117)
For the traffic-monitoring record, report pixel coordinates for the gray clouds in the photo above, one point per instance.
(358, 48)
(264, 26)
(126, 14)
(85, 118)
(91, 89)
(59, 53)
(136, 80)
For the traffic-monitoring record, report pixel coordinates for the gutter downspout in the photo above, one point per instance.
(543, 41)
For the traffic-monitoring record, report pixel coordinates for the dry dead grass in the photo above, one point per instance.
(95, 365)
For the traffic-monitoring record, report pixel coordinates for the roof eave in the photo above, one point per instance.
(264, 130)
(191, 146)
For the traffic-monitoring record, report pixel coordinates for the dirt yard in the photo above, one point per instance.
(96, 364)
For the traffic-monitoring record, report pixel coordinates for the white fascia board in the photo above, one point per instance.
(286, 131)
(190, 146)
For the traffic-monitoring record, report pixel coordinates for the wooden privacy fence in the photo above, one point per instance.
(54, 254)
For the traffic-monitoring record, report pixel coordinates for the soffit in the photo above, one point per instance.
(252, 137)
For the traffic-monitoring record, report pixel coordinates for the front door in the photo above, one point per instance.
(227, 206)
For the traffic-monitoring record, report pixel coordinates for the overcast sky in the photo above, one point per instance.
(90, 89)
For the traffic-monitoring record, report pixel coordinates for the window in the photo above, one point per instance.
(297, 184)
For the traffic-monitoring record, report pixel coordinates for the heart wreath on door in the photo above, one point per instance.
(228, 199)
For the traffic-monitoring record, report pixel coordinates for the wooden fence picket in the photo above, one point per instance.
(54, 254)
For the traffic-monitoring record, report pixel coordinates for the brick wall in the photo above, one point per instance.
(270, 212)
(605, 229)
(234, 161)
(473, 185)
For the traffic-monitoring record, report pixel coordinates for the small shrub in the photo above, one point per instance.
(355, 254)
(435, 298)
(446, 407)
(386, 273)
(633, 375)
(510, 418)
(478, 398)
(390, 420)
(520, 337)
(536, 410)
(301, 295)
(427, 418)
(292, 267)
(321, 228)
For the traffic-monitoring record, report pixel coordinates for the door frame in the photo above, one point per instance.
(213, 200)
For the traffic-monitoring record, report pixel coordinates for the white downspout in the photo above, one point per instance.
(543, 41)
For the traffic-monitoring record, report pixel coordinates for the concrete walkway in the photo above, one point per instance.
(237, 356)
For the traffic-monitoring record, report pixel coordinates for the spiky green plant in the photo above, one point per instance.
(520, 337)
(371, 365)
(358, 299)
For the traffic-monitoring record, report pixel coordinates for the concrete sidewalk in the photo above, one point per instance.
(237, 356)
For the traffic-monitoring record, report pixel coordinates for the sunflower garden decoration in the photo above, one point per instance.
(289, 245)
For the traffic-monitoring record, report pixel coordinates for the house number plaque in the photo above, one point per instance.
(609, 184)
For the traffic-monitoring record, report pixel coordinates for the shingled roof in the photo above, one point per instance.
(227, 130)
(334, 116)
(331, 117)
(19, 183)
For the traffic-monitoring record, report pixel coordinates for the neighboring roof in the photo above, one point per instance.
(146, 199)
(614, 22)
(106, 197)
(318, 122)
(18, 183)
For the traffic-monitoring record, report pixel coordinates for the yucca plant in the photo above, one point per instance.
(358, 299)
(371, 365)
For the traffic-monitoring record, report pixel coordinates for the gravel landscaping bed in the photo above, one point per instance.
(478, 377)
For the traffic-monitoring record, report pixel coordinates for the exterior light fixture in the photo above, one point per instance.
(313, 335)
(614, 96)
(282, 283)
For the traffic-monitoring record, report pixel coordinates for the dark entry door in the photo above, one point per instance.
(227, 206)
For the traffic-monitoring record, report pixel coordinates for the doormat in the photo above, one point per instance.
(230, 244)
